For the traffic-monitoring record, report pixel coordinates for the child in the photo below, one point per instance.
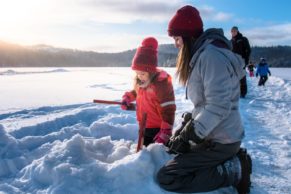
(153, 93)
(263, 71)
(251, 67)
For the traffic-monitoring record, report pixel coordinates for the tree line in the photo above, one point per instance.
(12, 55)
(276, 56)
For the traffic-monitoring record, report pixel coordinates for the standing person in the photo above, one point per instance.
(208, 145)
(241, 46)
(153, 93)
(263, 71)
(251, 68)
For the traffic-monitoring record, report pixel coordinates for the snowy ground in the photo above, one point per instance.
(53, 139)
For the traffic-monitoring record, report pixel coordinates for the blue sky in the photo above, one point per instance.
(117, 25)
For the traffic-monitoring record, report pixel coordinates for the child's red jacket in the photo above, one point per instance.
(158, 101)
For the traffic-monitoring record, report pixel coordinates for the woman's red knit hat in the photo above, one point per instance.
(146, 56)
(186, 22)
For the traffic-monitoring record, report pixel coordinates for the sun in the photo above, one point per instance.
(19, 18)
(16, 11)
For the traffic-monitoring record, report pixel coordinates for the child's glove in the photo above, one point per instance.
(125, 102)
(163, 136)
(127, 98)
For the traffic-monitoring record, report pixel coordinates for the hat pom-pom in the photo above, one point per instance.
(150, 42)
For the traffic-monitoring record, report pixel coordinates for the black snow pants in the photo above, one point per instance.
(243, 87)
(149, 135)
(263, 80)
(199, 170)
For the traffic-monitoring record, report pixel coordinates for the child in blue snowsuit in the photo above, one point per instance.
(263, 71)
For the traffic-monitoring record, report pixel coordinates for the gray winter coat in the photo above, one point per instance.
(213, 87)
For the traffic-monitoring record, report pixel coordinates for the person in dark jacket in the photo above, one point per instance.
(241, 46)
(263, 71)
(207, 144)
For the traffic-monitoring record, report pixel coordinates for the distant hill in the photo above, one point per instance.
(12, 55)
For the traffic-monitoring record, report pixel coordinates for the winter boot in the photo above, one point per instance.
(243, 187)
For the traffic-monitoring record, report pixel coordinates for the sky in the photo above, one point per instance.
(55, 140)
(118, 25)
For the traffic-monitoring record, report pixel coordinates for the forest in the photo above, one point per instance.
(13, 55)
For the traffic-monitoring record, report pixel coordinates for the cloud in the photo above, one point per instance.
(86, 24)
(220, 16)
(150, 10)
(119, 11)
(60, 12)
(270, 35)
(78, 23)
(209, 13)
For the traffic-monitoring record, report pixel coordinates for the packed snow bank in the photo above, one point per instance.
(14, 72)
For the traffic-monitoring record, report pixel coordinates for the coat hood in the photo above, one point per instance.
(208, 37)
(211, 35)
